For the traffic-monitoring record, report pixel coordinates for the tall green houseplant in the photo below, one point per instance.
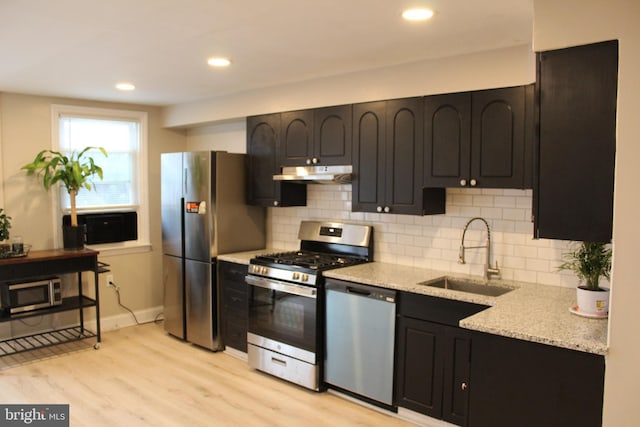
(74, 171)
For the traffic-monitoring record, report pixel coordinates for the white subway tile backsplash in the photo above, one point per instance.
(483, 201)
(433, 241)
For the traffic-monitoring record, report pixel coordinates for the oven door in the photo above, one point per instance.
(283, 312)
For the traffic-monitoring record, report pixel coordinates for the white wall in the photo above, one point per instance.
(497, 68)
(572, 22)
(226, 136)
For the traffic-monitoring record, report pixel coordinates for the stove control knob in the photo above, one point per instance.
(264, 270)
(296, 276)
(305, 277)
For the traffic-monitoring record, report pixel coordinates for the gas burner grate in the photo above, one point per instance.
(312, 260)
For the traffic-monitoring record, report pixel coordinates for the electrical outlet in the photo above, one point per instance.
(110, 280)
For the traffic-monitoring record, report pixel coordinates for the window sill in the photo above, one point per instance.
(125, 248)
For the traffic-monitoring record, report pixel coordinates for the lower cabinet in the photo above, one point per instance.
(521, 383)
(234, 307)
(475, 379)
(433, 356)
(433, 369)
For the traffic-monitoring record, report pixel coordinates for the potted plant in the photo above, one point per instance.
(590, 261)
(5, 225)
(74, 172)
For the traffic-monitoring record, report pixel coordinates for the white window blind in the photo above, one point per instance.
(121, 139)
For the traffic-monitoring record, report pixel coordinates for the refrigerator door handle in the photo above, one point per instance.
(184, 181)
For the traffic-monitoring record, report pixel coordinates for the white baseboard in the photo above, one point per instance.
(237, 354)
(403, 413)
(420, 419)
(125, 319)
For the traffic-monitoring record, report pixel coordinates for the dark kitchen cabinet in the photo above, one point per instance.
(479, 139)
(296, 140)
(433, 356)
(577, 94)
(316, 137)
(263, 136)
(388, 159)
(234, 305)
(520, 383)
(332, 135)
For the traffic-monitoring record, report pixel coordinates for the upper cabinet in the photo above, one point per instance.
(479, 139)
(387, 159)
(573, 192)
(316, 137)
(263, 136)
(296, 141)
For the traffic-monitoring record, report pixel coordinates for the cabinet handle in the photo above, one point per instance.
(463, 183)
(387, 209)
(473, 182)
(308, 161)
(275, 203)
(379, 209)
(314, 160)
(464, 386)
(279, 361)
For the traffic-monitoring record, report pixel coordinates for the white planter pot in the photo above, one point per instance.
(593, 302)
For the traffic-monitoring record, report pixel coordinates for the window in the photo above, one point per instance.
(123, 134)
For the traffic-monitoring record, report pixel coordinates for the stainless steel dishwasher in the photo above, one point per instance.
(360, 335)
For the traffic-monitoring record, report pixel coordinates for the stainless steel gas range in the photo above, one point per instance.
(286, 299)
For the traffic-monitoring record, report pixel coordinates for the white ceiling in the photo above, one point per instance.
(81, 48)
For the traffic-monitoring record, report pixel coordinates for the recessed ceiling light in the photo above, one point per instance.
(218, 62)
(417, 14)
(125, 86)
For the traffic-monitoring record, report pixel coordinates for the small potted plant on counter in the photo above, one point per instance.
(74, 172)
(5, 225)
(590, 261)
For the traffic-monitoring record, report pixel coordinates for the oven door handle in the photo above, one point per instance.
(277, 285)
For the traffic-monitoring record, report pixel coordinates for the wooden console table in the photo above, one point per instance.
(45, 263)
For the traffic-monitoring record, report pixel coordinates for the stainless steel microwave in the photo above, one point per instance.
(28, 296)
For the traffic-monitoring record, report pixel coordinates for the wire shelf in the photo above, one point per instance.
(43, 339)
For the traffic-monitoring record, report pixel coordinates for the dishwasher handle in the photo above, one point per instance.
(360, 290)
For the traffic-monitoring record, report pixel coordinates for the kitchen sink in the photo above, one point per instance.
(469, 286)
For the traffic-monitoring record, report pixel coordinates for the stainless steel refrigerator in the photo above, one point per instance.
(204, 214)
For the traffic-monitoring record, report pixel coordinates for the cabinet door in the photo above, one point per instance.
(369, 132)
(497, 135)
(419, 366)
(457, 365)
(516, 383)
(234, 305)
(332, 135)
(403, 156)
(573, 195)
(296, 138)
(447, 140)
(263, 134)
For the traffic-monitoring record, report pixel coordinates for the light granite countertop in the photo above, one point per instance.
(530, 312)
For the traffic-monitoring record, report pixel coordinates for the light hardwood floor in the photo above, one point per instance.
(142, 377)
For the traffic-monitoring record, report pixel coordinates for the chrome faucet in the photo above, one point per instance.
(489, 271)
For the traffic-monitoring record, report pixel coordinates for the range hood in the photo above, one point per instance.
(316, 174)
